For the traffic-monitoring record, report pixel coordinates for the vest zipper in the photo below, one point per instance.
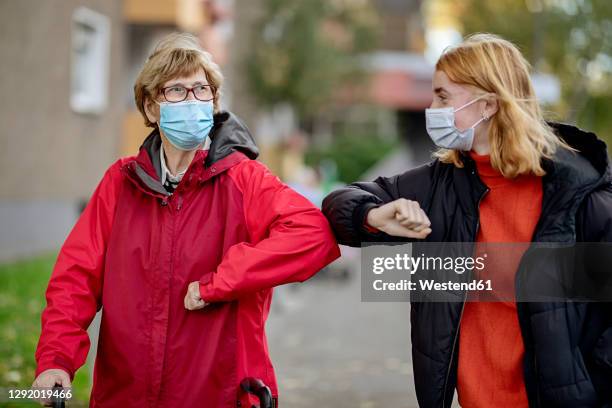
(450, 364)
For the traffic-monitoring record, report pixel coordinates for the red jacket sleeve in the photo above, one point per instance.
(291, 240)
(74, 291)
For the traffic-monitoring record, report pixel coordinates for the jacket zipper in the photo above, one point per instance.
(518, 277)
(166, 203)
(450, 364)
(535, 361)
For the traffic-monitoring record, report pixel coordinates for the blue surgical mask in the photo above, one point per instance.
(186, 124)
(440, 123)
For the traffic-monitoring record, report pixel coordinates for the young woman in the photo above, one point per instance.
(180, 247)
(502, 174)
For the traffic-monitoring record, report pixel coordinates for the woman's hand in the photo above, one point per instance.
(49, 378)
(193, 301)
(400, 218)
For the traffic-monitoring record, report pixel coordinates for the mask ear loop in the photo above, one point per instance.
(484, 117)
(472, 101)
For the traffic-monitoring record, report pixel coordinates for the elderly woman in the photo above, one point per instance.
(180, 247)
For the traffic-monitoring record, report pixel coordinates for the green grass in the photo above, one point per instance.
(22, 299)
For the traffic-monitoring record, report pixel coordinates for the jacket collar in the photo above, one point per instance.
(570, 177)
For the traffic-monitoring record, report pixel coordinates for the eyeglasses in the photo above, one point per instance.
(179, 93)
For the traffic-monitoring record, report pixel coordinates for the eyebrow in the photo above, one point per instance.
(185, 86)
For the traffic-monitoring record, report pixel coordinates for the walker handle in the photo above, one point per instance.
(257, 387)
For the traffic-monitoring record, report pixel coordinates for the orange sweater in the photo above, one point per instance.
(490, 372)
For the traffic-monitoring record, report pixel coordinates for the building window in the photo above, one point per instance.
(90, 61)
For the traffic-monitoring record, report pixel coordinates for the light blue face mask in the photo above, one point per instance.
(440, 123)
(186, 124)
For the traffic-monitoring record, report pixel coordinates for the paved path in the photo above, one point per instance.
(329, 349)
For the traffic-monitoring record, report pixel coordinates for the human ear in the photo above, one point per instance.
(491, 106)
(152, 110)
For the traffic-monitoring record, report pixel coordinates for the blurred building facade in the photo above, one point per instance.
(61, 74)
(68, 113)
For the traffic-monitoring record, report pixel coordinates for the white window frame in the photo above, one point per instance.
(89, 66)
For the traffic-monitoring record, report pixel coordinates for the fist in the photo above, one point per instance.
(193, 301)
(400, 218)
(49, 378)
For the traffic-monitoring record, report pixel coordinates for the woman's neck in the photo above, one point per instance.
(177, 160)
(481, 145)
(481, 149)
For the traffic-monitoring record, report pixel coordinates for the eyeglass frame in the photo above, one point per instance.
(212, 88)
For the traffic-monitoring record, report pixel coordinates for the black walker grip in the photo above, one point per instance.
(257, 387)
(57, 402)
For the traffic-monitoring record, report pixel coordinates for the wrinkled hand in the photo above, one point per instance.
(193, 301)
(400, 218)
(48, 379)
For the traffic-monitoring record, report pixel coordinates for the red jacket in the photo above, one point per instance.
(231, 224)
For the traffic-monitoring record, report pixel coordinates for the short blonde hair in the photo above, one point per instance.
(519, 136)
(177, 55)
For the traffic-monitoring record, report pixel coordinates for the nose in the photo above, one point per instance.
(434, 104)
(190, 95)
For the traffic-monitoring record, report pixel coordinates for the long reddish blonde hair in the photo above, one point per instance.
(519, 136)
